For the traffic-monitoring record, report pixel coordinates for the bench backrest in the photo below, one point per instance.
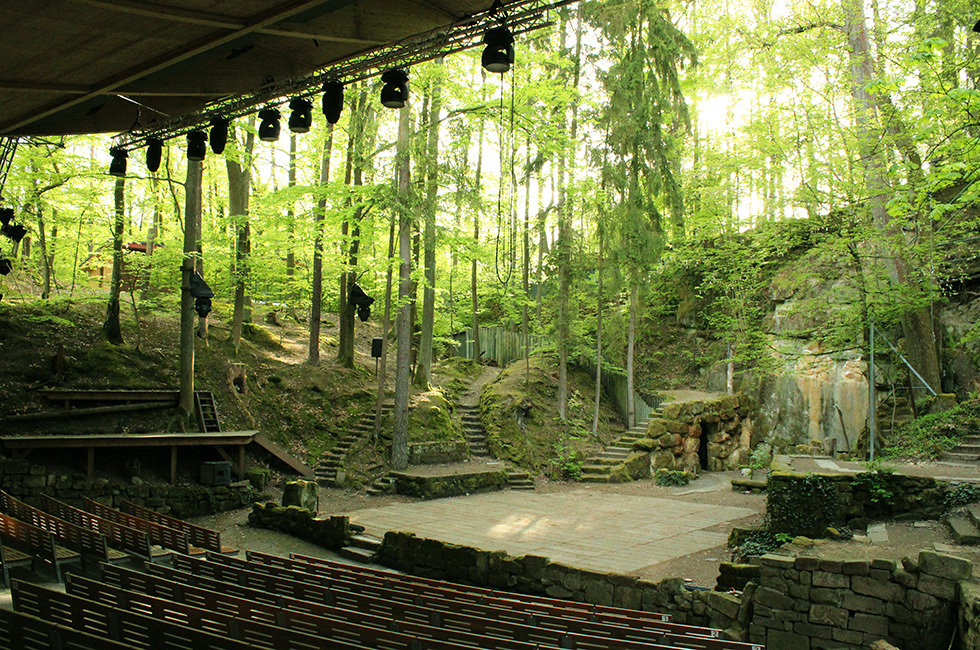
(137, 630)
(26, 632)
(125, 538)
(36, 541)
(83, 540)
(196, 535)
(160, 535)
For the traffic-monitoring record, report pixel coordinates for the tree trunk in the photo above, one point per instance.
(111, 327)
(423, 370)
(385, 324)
(239, 177)
(151, 237)
(291, 222)
(192, 210)
(399, 443)
(477, 351)
(920, 339)
(598, 340)
(319, 214)
(350, 237)
(630, 347)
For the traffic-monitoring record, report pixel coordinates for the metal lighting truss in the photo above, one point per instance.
(520, 16)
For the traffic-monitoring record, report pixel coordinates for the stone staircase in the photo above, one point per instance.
(363, 548)
(599, 469)
(476, 435)
(383, 485)
(967, 452)
(326, 470)
(892, 412)
(965, 525)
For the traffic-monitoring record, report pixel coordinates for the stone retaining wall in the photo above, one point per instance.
(436, 487)
(797, 603)
(330, 532)
(434, 453)
(28, 482)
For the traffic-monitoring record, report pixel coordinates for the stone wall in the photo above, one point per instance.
(796, 603)
(812, 604)
(860, 498)
(28, 482)
(449, 485)
(434, 453)
(673, 440)
(330, 532)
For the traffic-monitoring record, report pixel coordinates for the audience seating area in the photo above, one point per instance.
(298, 603)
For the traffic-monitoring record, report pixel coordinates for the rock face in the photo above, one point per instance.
(302, 494)
(815, 398)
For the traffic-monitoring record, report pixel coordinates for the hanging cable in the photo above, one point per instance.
(502, 277)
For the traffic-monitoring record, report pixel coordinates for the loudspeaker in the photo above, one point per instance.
(376, 347)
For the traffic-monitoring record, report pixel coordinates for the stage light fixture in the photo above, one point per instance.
(218, 135)
(118, 165)
(333, 100)
(301, 115)
(6, 214)
(498, 56)
(394, 93)
(154, 153)
(5, 266)
(269, 127)
(197, 147)
(15, 232)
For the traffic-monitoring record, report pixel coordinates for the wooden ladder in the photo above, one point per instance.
(207, 412)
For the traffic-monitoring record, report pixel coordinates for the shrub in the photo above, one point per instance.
(671, 477)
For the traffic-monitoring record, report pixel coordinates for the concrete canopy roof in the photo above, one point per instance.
(132, 66)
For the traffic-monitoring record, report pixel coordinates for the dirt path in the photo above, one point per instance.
(472, 396)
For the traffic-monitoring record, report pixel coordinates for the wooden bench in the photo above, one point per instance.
(569, 620)
(38, 542)
(11, 558)
(85, 541)
(122, 537)
(543, 630)
(276, 627)
(162, 536)
(594, 611)
(197, 535)
(212, 594)
(25, 632)
(148, 631)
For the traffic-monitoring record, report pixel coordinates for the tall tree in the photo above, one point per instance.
(239, 168)
(316, 297)
(423, 369)
(113, 332)
(403, 360)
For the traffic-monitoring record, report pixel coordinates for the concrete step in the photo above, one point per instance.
(591, 468)
(963, 529)
(953, 457)
(357, 554)
(966, 449)
(588, 477)
(366, 541)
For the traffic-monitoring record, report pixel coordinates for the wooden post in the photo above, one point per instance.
(192, 209)
(173, 465)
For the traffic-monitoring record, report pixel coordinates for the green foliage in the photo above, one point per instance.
(929, 436)
(671, 477)
(875, 481)
(962, 495)
(801, 505)
(758, 543)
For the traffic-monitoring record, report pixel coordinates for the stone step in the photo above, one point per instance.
(606, 462)
(970, 440)
(597, 469)
(357, 554)
(963, 529)
(966, 449)
(952, 457)
(973, 512)
(615, 452)
(366, 541)
(587, 477)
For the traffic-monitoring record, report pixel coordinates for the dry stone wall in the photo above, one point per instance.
(28, 482)
(674, 440)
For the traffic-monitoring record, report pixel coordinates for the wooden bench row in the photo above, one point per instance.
(557, 604)
(197, 536)
(507, 620)
(460, 593)
(39, 543)
(11, 558)
(160, 535)
(26, 632)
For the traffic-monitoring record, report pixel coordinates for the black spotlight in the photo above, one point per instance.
(269, 128)
(301, 117)
(394, 93)
(197, 147)
(333, 100)
(362, 301)
(5, 266)
(154, 153)
(118, 165)
(219, 135)
(6, 214)
(498, 56)
(202, 295)
(15, 232)
(976, 26)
